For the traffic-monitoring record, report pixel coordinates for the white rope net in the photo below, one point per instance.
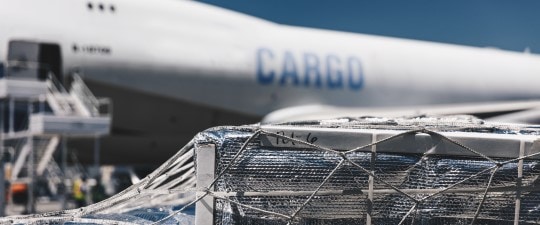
(452, 170)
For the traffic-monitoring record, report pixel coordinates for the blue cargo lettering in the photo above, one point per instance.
(334, 76)
(355, 71)
(311, 69)
(262, 77)
(329, 71)
(289, 70)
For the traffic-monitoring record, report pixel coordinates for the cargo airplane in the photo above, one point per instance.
(173, 68)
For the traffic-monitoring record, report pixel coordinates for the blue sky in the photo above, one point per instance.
(510, 25)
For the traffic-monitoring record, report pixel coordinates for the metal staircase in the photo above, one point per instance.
(74, 113)
(84, 99)
(47, 155)
(53, 113)
(58, 98)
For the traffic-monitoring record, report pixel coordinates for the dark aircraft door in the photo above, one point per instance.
(34, 60)
(1, 70)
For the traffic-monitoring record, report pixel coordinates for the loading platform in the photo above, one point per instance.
(37, 115)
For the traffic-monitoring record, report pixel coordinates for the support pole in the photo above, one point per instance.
(3, 199)
(64, 152)
(371, 180)
(64, 155)
(97, 145)
(519, 182)
(31, 206)
(206, 163)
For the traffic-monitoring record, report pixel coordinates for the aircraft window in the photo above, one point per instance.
(90, 6)
(101, 7)
(75, 48)
(112, 8)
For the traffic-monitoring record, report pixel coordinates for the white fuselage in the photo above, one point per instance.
(199, 53)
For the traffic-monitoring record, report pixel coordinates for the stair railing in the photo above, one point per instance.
(96, 107)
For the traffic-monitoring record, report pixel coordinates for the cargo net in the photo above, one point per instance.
(271, 175)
